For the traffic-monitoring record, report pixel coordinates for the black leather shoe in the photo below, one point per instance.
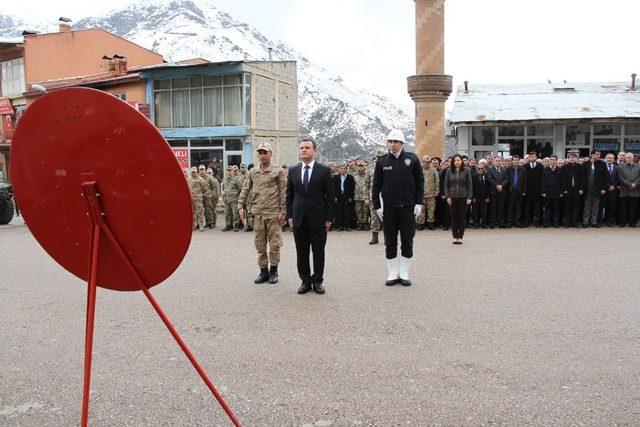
(405, 282)
(318, 288)
(391, 282)
(304, 288)
(273, 274)
(263, 277)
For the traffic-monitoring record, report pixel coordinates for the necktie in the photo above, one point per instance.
(610, 169)
(305, 179)
(515, 180)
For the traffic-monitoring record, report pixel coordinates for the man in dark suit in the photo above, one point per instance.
(516, 181)
(551, 192)
(595, 173)
(497, 175)
(572, 186)
(310, 204)
(481, 194)
(344, 188)
(533, 203)
(610, 200)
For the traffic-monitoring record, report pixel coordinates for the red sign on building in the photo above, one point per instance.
(6, 107)
(182, 155)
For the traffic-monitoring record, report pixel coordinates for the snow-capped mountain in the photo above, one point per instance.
(344, 120)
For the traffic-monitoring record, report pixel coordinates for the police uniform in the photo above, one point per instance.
(400, 180)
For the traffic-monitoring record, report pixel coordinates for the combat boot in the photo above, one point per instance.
(273, 274)
(227, 228)
(374, 238)
(263, 277)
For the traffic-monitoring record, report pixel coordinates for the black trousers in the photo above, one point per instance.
(551, 211)
(443, 211)
(480, 212)
(609, 204)
(571, 209)
(308, 238)
(515, 208)
(402, 220)
(343, 213)
(628, 210)
(532, 210)
(458, 216)
(497, 208)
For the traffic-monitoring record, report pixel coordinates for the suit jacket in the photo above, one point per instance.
(551, 183)
(498, 178)
(349, 187)
(481, 188)
(317, 204)
(522, 180)
(572, 178)
(600, 175)
(628, 175)
(534, 180)
(612, 178)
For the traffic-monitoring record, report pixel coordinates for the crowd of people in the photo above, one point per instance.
(491, 192)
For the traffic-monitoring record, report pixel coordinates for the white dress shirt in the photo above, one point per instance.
(310, 170)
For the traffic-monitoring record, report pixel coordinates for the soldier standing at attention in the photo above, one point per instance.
(398, 176)
(216, 196)
(267, 183)
(375, 219)
(198, 188)
(431, 190)
(231, 187)
(360, 195)
(207, 199)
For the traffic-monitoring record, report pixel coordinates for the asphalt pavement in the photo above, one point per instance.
(514, 327)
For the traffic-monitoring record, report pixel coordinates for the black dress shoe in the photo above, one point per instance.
(318, 288)
(405, 282)
(263, 277)
(304, 288)
(391, 282)
(273, 274)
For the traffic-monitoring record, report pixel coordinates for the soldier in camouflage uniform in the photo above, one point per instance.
(198, 188)
(375, 219)
(216, 168)
(248, 220)
(231, 187)
(207, 199)
(267, 183)
(360, 195)
(216, 196)
(431, 190)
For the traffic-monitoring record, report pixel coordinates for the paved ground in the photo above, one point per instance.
(515, 327)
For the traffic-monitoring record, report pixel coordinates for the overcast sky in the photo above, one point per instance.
(371, 43)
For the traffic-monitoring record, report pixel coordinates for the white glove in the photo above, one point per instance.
(379, 212)
(417, 209)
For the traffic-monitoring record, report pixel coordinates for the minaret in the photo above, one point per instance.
(430, 87)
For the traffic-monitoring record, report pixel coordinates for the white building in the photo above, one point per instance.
(548, 118)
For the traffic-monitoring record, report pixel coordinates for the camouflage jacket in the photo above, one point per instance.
(368, 188)
(209, 186)
(361, 186)
(267, 190)
(231, 187)
(431, 182)
(197, 187)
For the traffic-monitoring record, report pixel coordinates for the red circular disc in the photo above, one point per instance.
(76, 135)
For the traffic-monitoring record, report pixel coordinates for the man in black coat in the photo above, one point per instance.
(572, 186)
(344, 188)
(481, 195)
(310, 204)
(517, 184)
(595, 187)
(551, 192)
(533, 202)
(497, 175)
(610, 200)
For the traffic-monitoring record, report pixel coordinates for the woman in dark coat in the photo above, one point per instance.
(458, 190)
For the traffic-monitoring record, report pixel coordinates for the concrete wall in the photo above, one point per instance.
(79, 53)
(285, 149)
(136, 91)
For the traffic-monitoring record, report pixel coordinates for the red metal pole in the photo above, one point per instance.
(91, 311)
(90, 193)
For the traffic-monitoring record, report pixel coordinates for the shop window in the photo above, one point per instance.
(511, 131)
(514, 147)
(607, 129)
(483, 135)
(178, 143)
(543, 147)
(632, 145)
(578, 135)
(607, 145)
(539, 131)
(233, 145)
(122, 96)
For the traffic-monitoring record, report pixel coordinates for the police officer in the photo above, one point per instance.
(398, 175)
(267, 184)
